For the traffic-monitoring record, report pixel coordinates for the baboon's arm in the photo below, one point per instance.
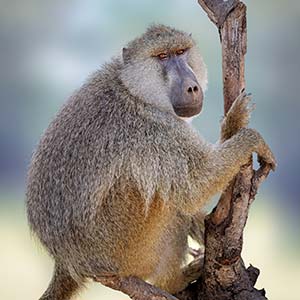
(222, 163)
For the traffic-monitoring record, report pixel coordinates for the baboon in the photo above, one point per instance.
(119, 177)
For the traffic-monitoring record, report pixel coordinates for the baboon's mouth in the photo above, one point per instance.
(188, 110)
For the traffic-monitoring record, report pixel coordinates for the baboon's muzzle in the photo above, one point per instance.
(191, 101)
(186, 93)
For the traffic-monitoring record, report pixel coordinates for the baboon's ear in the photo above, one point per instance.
(190, 35)
(126, 54)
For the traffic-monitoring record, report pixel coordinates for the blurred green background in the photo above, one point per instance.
(48, 48)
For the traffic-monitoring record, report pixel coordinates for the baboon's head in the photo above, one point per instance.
(164, 67)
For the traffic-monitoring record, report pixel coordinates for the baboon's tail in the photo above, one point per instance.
(62, 285)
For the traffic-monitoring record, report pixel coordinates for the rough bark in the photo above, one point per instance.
(224, 273)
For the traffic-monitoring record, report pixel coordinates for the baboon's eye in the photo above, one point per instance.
(179, 52)
(162, 55)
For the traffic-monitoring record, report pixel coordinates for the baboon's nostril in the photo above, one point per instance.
(193, 89)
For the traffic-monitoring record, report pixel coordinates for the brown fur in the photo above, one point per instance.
(116, 179)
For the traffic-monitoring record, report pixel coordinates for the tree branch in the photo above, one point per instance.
(135, 288)
(224, 274)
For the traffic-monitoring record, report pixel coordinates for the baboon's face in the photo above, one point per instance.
(163, 67)
(185, 92)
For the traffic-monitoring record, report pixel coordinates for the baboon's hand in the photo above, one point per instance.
(237, 117)
(264, 153)
(266, 156)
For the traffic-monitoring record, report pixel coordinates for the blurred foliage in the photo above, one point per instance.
(48, 48)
